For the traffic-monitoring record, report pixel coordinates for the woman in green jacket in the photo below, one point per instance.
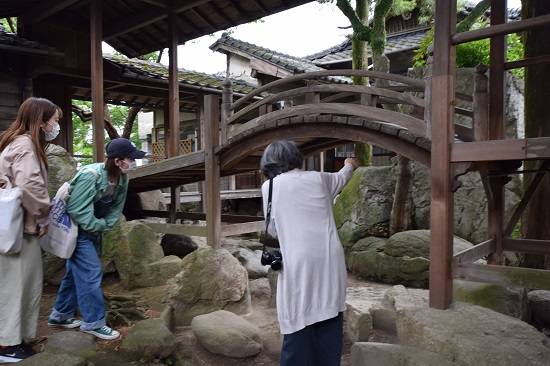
(98, 193)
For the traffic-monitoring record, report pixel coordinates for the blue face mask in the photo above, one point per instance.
(49, 136)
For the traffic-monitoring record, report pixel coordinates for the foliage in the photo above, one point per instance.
(400, 7)
(473, 53)
(82, 131)
(10, 24)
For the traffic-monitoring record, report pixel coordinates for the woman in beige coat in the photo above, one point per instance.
(26, 165)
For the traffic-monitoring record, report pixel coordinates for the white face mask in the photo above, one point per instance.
(131, 166)
(49, 136)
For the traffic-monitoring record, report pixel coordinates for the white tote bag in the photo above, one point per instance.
(11, 224)
(63, 231)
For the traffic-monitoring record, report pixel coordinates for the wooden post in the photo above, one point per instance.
(172, 136)
(212, 171)
(96, 64)
(442, 205)
(428, 91)
(497, 96)
(200, 144)
(227, 99)
(480, 105)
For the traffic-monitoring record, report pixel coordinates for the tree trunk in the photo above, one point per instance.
(537, 114)
(359, 58)
(130, 120)
(360, 61)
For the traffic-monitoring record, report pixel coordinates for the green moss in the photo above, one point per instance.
(363, 154)
(347, 200)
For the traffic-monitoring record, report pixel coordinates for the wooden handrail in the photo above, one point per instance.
(327, 73)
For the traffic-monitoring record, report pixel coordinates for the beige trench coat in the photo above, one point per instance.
(26, 171)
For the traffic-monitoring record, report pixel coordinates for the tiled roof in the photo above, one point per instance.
(296, 65)
(13, 42)
(394, 44)
(152, 70)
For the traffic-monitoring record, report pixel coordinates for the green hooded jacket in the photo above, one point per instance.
(86, 189)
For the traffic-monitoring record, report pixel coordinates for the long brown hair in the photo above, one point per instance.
(31, 114)
(113, 171)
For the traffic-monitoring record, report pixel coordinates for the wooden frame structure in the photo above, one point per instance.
(491, 148)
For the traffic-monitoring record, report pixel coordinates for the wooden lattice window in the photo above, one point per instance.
(159, 152)
(186, 146)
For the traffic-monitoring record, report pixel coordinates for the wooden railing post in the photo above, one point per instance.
(428, 91)
(480, 105)
(227, 99)
(312, 98)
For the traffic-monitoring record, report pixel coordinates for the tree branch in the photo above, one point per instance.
(86, 116)
(129, 123)
(470, 20)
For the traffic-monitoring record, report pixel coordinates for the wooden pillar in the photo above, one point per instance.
(497, 97)
(200, 144)
(428, 91)
(172, 135)
(212, 171)
(442, 205)
(68, 122)
(480, 104)
(227, 99)
(98, 118)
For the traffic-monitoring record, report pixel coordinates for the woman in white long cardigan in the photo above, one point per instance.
(311, 287)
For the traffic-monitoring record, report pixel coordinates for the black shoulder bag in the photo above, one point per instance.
(274, 257)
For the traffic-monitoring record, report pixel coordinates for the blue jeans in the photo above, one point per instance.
(318, 344)
(81, 286)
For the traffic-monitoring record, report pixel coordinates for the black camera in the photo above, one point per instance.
(273, 258)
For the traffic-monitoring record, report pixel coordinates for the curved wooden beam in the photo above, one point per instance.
(329, 73)
(414, 125)
(393, 96)
(238, 149)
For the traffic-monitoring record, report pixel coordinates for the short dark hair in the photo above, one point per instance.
(279, 157)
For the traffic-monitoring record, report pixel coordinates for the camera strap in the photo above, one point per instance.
(268, 211)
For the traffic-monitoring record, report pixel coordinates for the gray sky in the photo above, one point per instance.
(300, 31)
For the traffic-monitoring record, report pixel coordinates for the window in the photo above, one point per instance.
(347, 151)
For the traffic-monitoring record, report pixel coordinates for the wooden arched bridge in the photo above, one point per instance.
(319, 113)
(318, 116)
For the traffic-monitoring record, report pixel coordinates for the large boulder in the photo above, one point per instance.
(511, 301)
(384, 354)
(210, 280)
(62, 167)
(228, 334)
(137, 251)
(148, 340)
(251, 260)
(404, 258)
(178, 245)
(364, 207)
(151, 200)
(473, 335)
(365, 202)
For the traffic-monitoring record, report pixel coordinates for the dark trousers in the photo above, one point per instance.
(319, 344)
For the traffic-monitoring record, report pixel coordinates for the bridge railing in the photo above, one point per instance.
(328, 88)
